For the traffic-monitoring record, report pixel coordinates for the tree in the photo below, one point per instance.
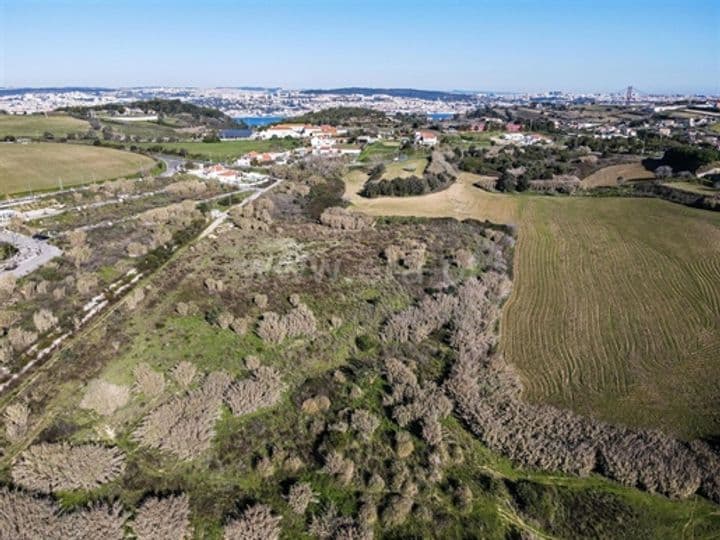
(662, 172)
(507, 182)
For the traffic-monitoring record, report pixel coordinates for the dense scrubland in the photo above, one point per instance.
(310, 372)
(615, 300)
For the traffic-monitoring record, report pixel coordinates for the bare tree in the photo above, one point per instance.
(256, 523)
(16, 421)
(165, 518)
(104, 397)
(50, 467)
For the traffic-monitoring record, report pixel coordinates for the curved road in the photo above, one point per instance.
(32, 254)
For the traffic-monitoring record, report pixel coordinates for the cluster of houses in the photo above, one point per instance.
(324, 141)
(525, 139)
(226, 175)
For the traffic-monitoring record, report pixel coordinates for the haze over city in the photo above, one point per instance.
(664, 47)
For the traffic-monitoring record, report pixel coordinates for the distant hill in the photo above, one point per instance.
(336, 116)
(192, 114)
(394, 92)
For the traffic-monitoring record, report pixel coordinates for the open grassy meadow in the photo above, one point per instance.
(379, 150)
(405, 169)
(38, 166)
(608, 176)
(36, 125)
(615, 310)
(225, 150)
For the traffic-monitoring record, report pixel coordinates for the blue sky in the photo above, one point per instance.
(506, 45)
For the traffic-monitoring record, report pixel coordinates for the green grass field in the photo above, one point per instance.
(615, 310)
(227, 149)
(143, 130)
(39, 166)
(692, 187)
(405, 169)
(379, 151)
(35, 126)
(472, 138)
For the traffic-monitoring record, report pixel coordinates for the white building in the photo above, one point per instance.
(427, 138)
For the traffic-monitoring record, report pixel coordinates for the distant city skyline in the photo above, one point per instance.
(520, 46)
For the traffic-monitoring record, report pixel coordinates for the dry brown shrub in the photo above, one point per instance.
(260, 300)
(417, 322)
(185, 425)
(300, 321)
(300, 496)
(44, 320)
(185, 308)
(254, 216)
(404, 445)
(275, 328)
(100, 521)
(393, 254)
(178, 215)
(79, 251)
(336, 217)
(239, 325)
(214, 285)
(464, 258)
(59, 293)
(335, 322)
(136, 249)
(7, 285)
(50, 467)
(104, 397)
(340, 467)
(23, 517)
(28, 290)
(163, 519)
(315, 405)
(160, 237)
(21, 339)
(330, 524)
(256, 523)
(263, 389)
(187, 188)
(365, 423)
(271, 328)
(397, 510)
(252, 362)
(86, 283)
(16, 421)
(225, 319)
(6, 352)
(133, 299)
(184, 373)
(148, 382)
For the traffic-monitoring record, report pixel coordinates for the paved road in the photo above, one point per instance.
(172, 164)
(32, 254)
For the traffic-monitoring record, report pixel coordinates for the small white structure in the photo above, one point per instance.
(427, 138)
(296, 131)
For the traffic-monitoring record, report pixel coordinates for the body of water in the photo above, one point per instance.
(252, 122)
(258, 121)
(440, 116)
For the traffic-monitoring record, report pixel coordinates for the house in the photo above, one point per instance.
(427, 138)
(512, 127)
(281, 131)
